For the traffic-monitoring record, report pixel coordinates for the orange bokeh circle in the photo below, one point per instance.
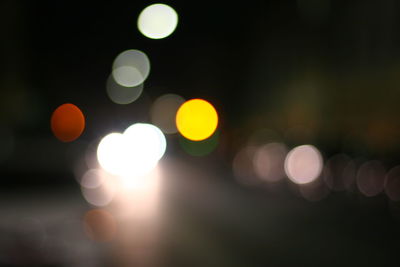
(67, 122)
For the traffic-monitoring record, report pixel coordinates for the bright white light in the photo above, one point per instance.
(131, 68)
(157, 21)
(148, 139)
(303, 164)
(110, 153)
(127, 76)
(134, 153)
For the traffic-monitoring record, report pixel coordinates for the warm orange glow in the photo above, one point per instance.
(67, 122)
(100, 225)
(196, 119)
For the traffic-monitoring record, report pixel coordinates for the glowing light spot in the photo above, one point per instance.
(303, 164)
(269, 162)
(243, 168)
(370, 178)
(134, 153)
(148, 142)
(99, 196)
(200, 148)
(131, 68)
(100, 225)
(122, 95)
(67, 122)
(92, 179)
(111, 153)
(196, 119)
(127, 76)
(163, 112)
(157, 21)
(392, 184)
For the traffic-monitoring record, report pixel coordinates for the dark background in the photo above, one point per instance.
(318, 71)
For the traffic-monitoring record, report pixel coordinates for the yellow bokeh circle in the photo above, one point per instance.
(196, 119)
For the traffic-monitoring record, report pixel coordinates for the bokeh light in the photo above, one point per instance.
(269, 162)
(131, 68)
(392, 184)
(370, 178)
(99, 196)
(122, 95)
(163, 112)
(127, 76)
(133, 153)
(196, 119)
(157, 21)
(92, 179)
(303, 164)
(200, 148)
(243, 168)
(100, 225)
(67, 122)
(152, 139)
(111, 153)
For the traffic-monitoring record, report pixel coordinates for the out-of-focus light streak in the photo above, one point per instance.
(131, 219)
(157, 21)
(137, 198)
(303, 164)
(196, 119)
(67, 122)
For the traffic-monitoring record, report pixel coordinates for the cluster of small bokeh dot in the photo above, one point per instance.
(303, 166)
(127, 160)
